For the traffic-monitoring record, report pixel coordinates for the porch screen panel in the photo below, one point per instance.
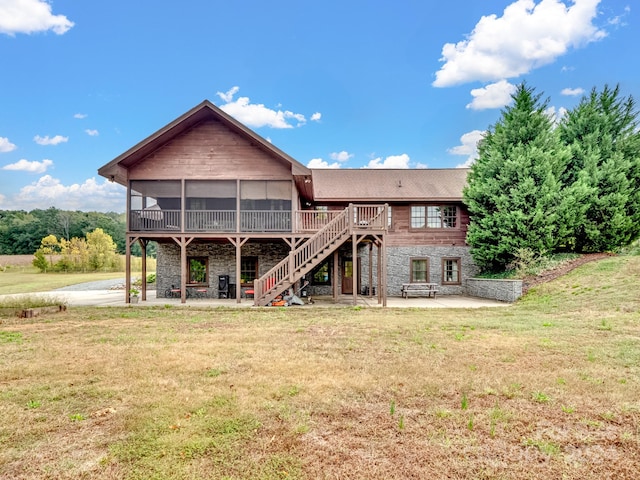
(166, 194)
(265, 195)
(211, 195)
(253, 190)
(279, 190)
(211, 188)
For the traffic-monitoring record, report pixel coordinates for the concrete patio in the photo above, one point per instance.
(116, 298)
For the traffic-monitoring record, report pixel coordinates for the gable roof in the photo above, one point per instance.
(116, 169)
(400, 185)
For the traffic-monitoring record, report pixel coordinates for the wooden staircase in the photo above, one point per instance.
(310, 254)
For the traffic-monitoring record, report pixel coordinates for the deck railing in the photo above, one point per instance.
(314, 220)
(368, 217)
(210, 220)
(265, 221)
(154, 220)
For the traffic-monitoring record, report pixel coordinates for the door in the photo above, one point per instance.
(347, 276)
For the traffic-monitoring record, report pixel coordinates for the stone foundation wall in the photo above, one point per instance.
(503, 290)
(399, 267)
(222, 261)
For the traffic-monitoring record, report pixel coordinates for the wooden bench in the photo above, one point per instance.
(426, 289)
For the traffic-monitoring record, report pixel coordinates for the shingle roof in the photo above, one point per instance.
(388, 185)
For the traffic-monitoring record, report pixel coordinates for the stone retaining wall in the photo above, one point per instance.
(496, 289)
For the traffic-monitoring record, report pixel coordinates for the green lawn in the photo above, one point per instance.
(30, 280)
(547, 388)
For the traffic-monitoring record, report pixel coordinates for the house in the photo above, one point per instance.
(235, 217)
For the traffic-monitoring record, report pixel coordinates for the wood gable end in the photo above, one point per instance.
(210, 150)
(204, 143)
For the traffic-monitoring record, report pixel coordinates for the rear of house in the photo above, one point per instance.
(235, 217)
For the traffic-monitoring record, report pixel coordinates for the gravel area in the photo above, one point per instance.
(99, 285)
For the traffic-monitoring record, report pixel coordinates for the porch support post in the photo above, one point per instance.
(183, 271)
(383, 264)
(143, 246)
(354, 266)
(127, 270)
(336, 274)
(238, 242)
(238, 270)
(379, 248)
(371, 270)
(183, 242)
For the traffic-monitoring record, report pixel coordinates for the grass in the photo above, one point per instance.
(29, 301)
(327, 393)
(30, 280)
(17, 275)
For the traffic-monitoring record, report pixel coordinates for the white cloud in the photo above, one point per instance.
(256, 115)
(393, 161)
(50, 141)
(572, 92)
(495, 95)
(27, 166)
(6, 145)
(468, 147)
(341, 157)
(555, 115)
(527, 36)
(316, 117)
(320, 163)
(50, 192)
(80, 116)
(92, 132)
(30, 16)
(228, 95)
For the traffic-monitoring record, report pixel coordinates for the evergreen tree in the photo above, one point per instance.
(605, 165)
(513, 192)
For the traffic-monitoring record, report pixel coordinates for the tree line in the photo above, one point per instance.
(544, 186)
(21, 232)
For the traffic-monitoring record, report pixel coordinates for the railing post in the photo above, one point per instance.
(351, 214)
(291, 266)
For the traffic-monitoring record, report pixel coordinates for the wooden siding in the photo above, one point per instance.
(401, 235)
(210, 151)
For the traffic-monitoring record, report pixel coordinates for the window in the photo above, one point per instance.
(389, 217)
(419, 270)
(248, 271)
(321, 275)
(198, 270)
(450, 271)
(417, 216)
(434, 216)
(449, 217)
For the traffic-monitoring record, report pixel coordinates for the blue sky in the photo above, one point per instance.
(335, 84)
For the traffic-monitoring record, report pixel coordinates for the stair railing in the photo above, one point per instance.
(284, 273)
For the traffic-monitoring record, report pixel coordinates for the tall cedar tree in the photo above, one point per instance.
(602, 133)
(513, 192)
